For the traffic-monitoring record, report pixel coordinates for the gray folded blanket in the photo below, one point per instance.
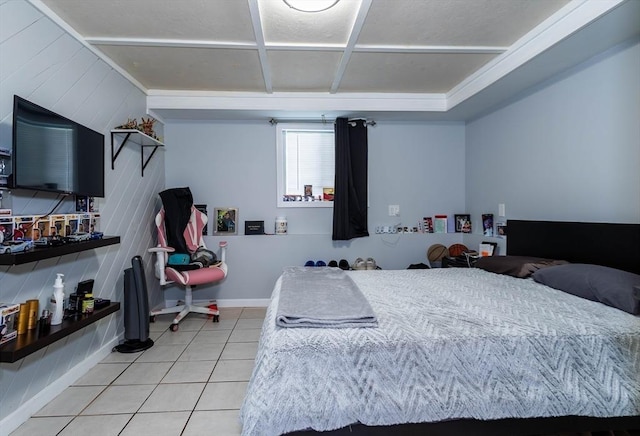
(322, 298)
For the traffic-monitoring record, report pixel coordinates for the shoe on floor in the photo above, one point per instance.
(321, 263)
(344, 265)
(359, 264)
(370, 263)
(310, 263)
(333, 263)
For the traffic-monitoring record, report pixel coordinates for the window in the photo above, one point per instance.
(305, 165)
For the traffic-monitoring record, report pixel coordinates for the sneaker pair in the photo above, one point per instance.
(344, 265)
(360, 264)
(317, 263)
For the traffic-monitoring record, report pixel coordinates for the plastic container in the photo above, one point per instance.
(58, 301)
(281, 225)
(88, 304)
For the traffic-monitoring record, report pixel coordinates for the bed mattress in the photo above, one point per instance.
(451, 344)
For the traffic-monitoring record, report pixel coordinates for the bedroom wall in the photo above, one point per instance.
(42, 63)
(233, 164)
(567, 150)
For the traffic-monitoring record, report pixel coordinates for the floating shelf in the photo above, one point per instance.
(32, 341)
(137, 137)
(46, 253)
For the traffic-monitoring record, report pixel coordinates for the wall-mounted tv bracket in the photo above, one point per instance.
(136, 137)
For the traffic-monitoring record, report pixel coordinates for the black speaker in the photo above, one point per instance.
(136, 310)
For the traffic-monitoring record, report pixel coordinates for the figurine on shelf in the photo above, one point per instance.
(147, 126)
(130, 124)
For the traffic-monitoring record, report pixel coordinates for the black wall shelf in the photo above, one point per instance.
(61, 250)
(136, 137)
(32, 341)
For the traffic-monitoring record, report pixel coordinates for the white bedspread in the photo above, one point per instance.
(451, 343)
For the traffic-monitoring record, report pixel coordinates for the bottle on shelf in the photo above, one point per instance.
(58, 301)
(87, 304)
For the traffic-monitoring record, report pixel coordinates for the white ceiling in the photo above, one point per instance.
(376, 58)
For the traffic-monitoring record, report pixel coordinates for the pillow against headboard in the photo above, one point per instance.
(609, 286)
(516, 266)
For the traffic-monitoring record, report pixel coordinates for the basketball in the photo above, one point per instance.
(436, 252)
(457, 250)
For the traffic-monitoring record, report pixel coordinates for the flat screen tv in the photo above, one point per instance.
(52, 153)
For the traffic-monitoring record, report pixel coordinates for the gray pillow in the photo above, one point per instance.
(609, 286)
(516, 266)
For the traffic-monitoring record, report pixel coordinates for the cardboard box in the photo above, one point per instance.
(57, 225)
(72, 224)
(6, 228)
(23, 227)
(95, 222)
(41, 228)
(8, 321)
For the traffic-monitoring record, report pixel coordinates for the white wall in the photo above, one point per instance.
(569, 150)
(41, 63)
(233, 164)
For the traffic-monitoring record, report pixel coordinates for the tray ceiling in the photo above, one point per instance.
(264, 48)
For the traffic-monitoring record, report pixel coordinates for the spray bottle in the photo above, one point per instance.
(58, 300)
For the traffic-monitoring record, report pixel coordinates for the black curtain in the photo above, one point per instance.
(350, 191)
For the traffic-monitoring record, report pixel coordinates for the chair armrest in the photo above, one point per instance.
(223, 251)
(160, 249)
(162, 254)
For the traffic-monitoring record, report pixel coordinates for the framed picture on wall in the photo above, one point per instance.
(463, 223)
(225, 220)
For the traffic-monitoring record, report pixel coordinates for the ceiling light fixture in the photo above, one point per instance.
(310, 5)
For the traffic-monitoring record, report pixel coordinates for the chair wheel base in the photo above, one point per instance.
(174, 327)
(133, 346)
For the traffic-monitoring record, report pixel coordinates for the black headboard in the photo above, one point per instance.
(614, 245)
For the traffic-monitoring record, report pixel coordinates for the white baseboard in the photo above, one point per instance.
(16, 418)
(234, 302)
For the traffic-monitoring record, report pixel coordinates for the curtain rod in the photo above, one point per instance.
(323, 120)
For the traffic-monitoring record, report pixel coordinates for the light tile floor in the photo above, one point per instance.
(191, 382)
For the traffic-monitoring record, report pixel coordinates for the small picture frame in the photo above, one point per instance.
(487, 224)
(225, 220)
(428, 224)
(327, 194)
(203, 208)
(501, 229)
(463, 223)
(308, 191)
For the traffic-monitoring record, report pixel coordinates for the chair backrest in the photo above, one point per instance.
(192, 233)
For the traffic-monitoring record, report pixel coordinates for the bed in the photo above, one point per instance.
(461, 351)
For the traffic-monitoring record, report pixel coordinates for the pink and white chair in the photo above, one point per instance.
(168, 274)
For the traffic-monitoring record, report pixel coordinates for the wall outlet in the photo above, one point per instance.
(394, 210)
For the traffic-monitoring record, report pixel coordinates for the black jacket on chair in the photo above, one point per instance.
(177, 204)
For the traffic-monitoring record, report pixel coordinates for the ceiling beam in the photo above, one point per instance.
(164, 42)
(428, 49)
(351, 43)
(256, 19)
(364, 48)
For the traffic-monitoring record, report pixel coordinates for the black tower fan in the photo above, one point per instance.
(136, 310)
